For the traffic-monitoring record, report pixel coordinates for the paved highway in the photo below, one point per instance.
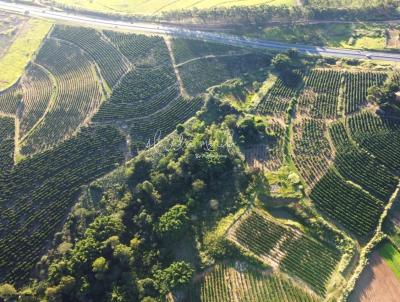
(86, 20)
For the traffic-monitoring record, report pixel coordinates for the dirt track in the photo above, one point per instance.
(377, 283)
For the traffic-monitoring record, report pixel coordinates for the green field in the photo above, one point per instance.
(392, 257)
(151, 7)
(21, 51)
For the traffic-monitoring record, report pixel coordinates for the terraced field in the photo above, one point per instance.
(287, 249)
(239, 282)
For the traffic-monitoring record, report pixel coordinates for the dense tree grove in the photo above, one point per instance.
(385, 97)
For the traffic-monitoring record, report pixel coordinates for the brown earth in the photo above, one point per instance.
(377, 283)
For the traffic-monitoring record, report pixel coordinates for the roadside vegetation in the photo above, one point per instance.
(156, 7)
(346, 35)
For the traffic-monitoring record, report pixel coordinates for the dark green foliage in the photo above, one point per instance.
(174, 223)
(252, 131)
(286, 65)
(177, 275)
(103, 266)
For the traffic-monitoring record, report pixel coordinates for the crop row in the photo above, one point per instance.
(185, 50)
(379, 136)
(10, 99)
(38, 192)
(356, 88)
(7, 132)
(112, 63)
(277, 101)
(358, 166)
(312, 152)
(162, 122)
(37, 89)
(227, 283)
(320, 95)
(199, 75)
(292, 251)
(345, 203)
(141, 50)
(78, 95)
(110, 111)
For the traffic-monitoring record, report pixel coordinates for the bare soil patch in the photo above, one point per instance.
(377, 283)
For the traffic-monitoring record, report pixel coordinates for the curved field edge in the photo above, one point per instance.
(22, 50)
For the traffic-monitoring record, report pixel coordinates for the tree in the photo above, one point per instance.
(178, 274)
(174, 222)
(285, 65)
(104, 227)
(99, 267)
(67, 284)
(281, 63)
(123, 253)
(198, 185)
(180, 128)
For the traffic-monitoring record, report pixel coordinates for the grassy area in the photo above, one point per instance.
(150, 7)
(392, 257)
(284, 183)
(13, 63)
(369, 36)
